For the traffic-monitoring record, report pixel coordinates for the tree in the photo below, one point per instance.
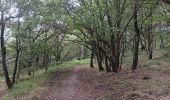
(137, 36)
(3, 48)
(17, 39)
(6, 16)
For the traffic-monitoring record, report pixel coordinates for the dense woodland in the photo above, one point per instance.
(36, 34)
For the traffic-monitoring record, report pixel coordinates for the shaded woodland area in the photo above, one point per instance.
(39, 34)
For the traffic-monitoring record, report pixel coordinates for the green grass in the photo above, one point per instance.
(32, 83)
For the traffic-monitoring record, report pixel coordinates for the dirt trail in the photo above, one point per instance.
(67, 89)
(83, 83)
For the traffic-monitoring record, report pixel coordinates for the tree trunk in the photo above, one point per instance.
(137, 36)
(91, 59)
(17, 53)
(99, 61)
(57, 54)
(19, 66)
(3, 48)
(150, 43)
(16, 66)
(108, 69)
(150, 37)
(162, 45)
(142, 46)
(45, 61)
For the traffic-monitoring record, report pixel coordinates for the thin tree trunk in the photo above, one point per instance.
(3, 48)
(150, 37)
(137, 36)
(108, 69)
(91, 59)
(99, 61)
(45, 55)
(150, 43)
(19, 66)
(45, 58)
(16, 66)
(162, 45)
(142, 46)
(17, 53)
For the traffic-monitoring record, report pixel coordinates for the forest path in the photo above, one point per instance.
(84, 83)
(65, 86)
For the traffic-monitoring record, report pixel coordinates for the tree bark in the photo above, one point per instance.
(150, 42)
(91, 59)
(16, 64)
(17, 53)
(150, 36)
(137, 36)
(162, 45)
(45, 58)
(99, 61)
(108, 69)
(3, 48)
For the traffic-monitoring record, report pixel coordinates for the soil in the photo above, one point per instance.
(84, 83)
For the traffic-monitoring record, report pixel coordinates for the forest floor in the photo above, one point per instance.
(151, 81)
(82, 83)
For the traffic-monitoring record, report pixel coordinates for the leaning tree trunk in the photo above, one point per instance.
(3, 48)
(16, 64)
(17, 52)
(137, 36)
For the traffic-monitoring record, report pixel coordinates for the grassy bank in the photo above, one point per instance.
(32, 84)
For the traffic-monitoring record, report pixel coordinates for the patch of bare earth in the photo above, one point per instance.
(83, 83)
(65, 85)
